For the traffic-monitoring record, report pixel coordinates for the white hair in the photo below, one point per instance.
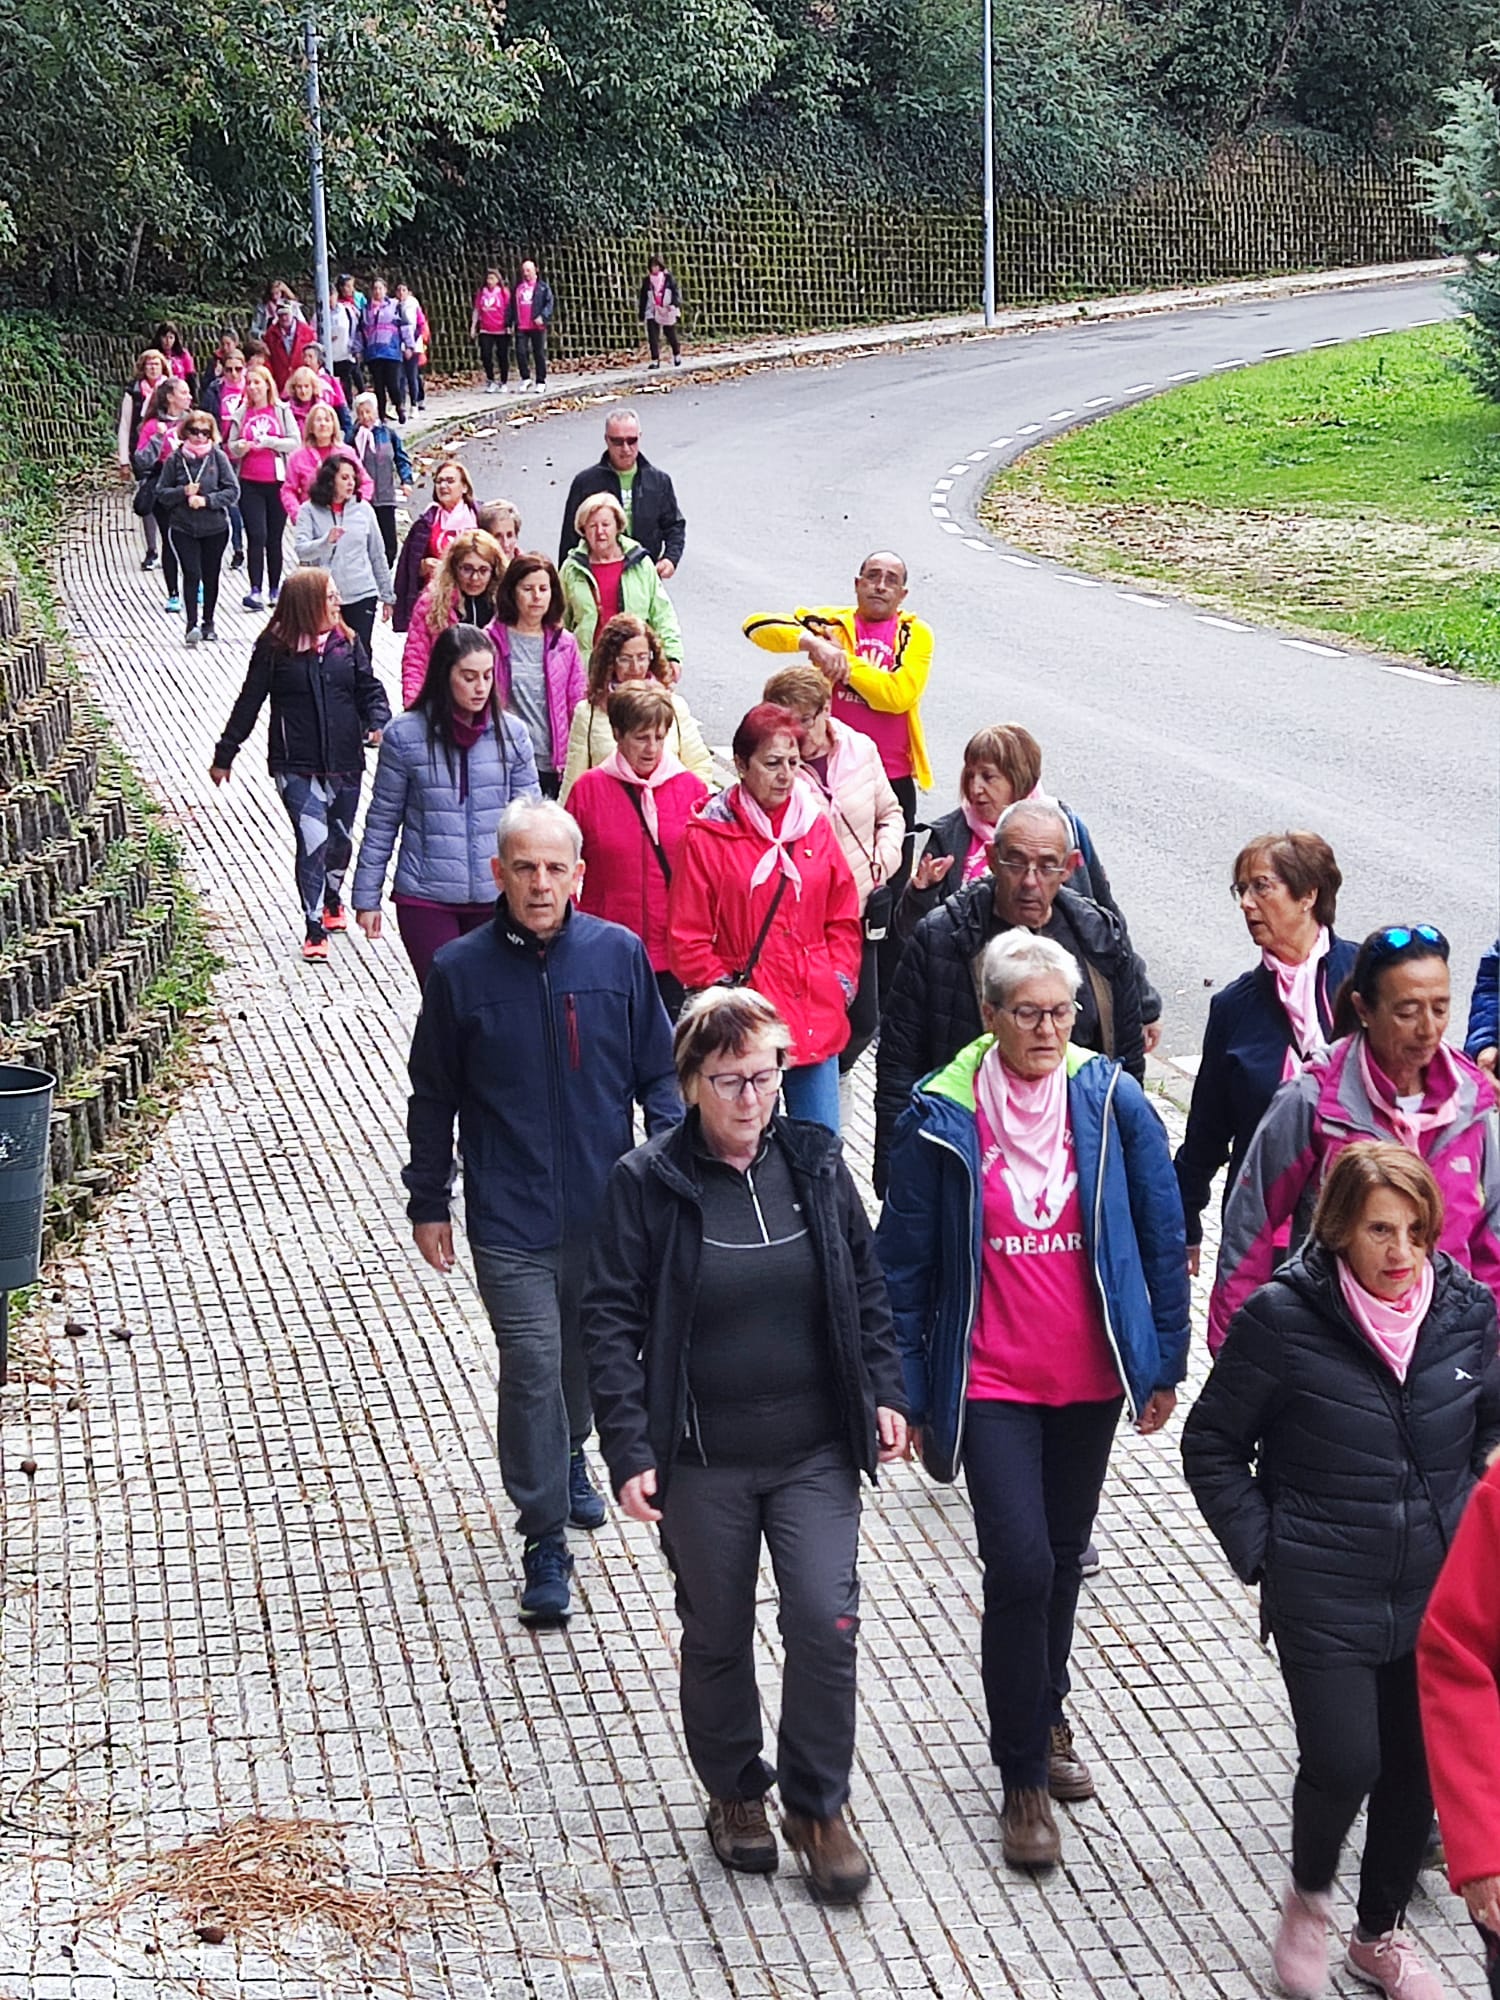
(1016, 956)
(624, 415)
(1038, 808)
(521, 815)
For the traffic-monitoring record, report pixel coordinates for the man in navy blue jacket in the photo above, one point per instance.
(540, 1033)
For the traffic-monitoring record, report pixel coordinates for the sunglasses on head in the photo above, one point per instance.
(1396, 937)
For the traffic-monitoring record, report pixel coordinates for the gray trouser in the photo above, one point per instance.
(532, 1299)
(713, 1519)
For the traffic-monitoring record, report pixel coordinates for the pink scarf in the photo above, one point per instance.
(1439, 1106)
(671, 766)
(977, 860)
(1297, 990)
(1029, 1120)
(803, 811)
(1391, 1327)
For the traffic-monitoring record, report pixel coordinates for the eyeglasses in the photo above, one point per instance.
(1019, 869)
(1062, 1016)
(729, 1086)
(1396, 937)
(475, 569)
(1258, 889)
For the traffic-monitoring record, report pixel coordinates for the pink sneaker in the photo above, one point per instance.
(1394, 1965)
(1300, 1953)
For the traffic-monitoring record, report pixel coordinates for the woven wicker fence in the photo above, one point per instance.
(768, 268)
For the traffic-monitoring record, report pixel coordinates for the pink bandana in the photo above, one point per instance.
(1439, 1106)
(803, 811)
(1297, 990)
(671, 766)
(1029, 1119)
(1390, 1326)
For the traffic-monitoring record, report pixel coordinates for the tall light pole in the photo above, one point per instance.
(315, 170)
(989, 162)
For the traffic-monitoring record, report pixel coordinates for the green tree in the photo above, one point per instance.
(1463, 198)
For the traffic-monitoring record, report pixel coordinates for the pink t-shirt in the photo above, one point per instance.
(524, 296)
(231, 405)
(891, 734)
(262, 463)
(1039, 1333)
(492, 306)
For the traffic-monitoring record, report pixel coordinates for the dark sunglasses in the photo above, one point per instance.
(1396, 937)
(193, 431)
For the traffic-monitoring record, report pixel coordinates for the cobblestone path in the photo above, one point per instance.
(265, 1567)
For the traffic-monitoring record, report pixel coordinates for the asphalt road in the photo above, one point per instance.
(1175, 739)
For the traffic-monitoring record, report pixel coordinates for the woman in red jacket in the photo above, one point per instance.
(633, 811)
(1458, 1677)
(762, 896)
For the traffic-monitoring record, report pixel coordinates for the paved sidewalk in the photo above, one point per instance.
(265, 1566)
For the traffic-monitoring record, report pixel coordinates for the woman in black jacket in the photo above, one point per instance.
(198, 489)
(1332, 1450)
(326, 705)
(744, 1374)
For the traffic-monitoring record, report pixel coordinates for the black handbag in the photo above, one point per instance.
(879, 906)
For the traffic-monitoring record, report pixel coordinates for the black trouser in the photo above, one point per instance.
(672, 992)
(360, 618)
(864, 1009)
(531, 344)
(349, 379)
(1034, 1476)
(891, 945)
(713, 1520)
(265, 529)
(1491, 1945)
(385, 514)
(411, 376)
(168, 552)
(654, 332)
(1359, 1736)
(201, 560)
(385, 380)
(494, 352)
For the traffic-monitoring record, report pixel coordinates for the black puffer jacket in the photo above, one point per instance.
(323, 705)
(932, 1010)
(643, 1276)
(1331, 1484)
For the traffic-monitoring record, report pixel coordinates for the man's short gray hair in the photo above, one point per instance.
(1037, 809)
(622, 416)
(1016, 956)
(524, 815)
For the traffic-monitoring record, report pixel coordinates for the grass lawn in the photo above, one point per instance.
(1354, 491)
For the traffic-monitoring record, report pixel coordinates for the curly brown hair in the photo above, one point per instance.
(617, 634)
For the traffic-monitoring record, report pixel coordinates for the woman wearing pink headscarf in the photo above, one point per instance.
(762, 896)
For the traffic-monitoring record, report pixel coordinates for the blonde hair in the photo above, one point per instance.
(445, 585)
(802, 689)
(262, 378)
(589, 507)
(321, 409)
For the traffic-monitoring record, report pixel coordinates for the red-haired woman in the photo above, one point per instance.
(762, 896)
(326, 705)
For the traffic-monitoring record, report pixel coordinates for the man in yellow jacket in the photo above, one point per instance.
(876, 658)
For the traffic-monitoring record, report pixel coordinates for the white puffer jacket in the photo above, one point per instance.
(865, 812)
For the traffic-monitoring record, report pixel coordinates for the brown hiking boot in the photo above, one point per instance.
(1068, 1776)
(1028, 1832)
(835, 1865)
(742, 1835)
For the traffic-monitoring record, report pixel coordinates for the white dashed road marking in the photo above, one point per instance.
(1082, 582)
(1061, 416)
(1138, 597)
(999, 444)
(1223, 624)
(1016, 562)
(1307, 646)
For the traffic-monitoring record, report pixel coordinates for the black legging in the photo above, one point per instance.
(360, 618)
(892, 944)
(494, 353)
(385, 514)
(265, 529)
(654, 332)
(202, 557)
(385, 380)
(169, 570)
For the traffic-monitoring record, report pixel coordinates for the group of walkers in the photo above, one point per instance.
(602, 921)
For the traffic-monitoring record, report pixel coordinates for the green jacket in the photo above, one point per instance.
(642, 592)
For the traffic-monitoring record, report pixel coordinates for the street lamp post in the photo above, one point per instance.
(989, 162)
(315, 170)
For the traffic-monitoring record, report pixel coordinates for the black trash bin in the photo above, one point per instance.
(25, 1125)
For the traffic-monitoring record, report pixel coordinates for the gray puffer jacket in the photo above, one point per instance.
(445, 817)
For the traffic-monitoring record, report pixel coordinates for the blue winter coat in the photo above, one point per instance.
(1484, 1008)
(1240, 1071)
(446, 818)
(931, 1238)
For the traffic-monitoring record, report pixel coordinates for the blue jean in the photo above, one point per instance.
(812, 1092)
(1034, 1476)
(532, 1299)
